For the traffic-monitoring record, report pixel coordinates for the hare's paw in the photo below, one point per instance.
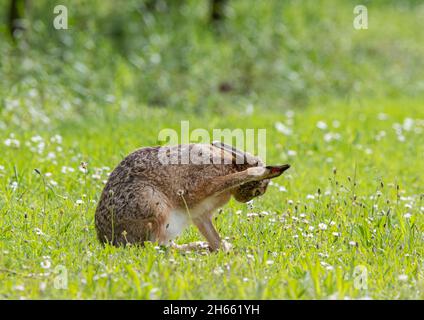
(257, 171)
(193, 246)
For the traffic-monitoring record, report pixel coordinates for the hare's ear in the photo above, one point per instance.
(237, 154)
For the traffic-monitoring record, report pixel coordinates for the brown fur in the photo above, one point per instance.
(142, 193)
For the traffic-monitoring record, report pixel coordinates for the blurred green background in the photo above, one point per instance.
(174, 54)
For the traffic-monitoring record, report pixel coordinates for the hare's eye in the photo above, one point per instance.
(257, 192)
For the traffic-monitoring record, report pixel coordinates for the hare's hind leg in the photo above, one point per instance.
(138, 231)
(143, 219)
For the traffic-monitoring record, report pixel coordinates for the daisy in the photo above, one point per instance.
(322, 226)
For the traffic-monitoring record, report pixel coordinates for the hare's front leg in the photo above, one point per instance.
(214, 189)
(225, 183)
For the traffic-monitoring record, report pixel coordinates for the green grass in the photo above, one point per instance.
(352, 201)
(275, 255)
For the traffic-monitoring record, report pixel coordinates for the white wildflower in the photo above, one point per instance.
(14, 185)
(218, 271)
(12, 143)
(287, 131)
(322, 125)
(330, 136)
(252, 214)
(38, 231)
(382, 116)
(19, 288)
(36, 139)
(291, 153)
(83, 167)
(56, 139)
(403, 277)
(45, 264)
(408, 124)
(53, 183)
(322, 226)
(51, 155)
(407, 215)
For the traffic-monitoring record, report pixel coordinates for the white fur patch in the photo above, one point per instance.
(179, 220)
(177, 223)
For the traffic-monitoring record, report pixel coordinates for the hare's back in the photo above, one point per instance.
(136, 164)
(166, 169)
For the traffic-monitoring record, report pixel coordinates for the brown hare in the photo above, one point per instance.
(147, 199)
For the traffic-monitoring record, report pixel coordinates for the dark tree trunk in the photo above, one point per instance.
(217, 10)
(16, 16)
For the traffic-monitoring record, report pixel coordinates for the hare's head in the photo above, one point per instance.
(244, 160)
(250, 190)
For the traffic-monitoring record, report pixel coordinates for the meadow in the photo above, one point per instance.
(344, 107)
